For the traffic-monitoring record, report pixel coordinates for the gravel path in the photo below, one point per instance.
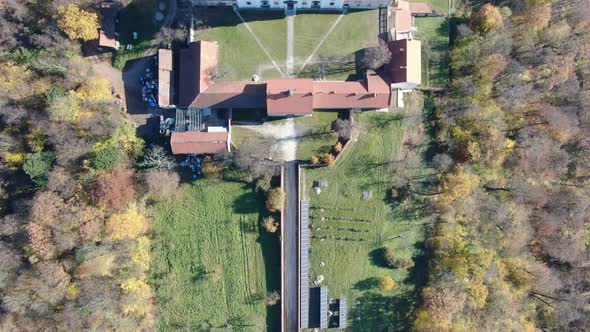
(290, 42)
(284, 138)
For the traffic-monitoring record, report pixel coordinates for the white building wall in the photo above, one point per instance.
(328, 4)
(277, 4)
(301, 4)
(366, 4)
(249, 3)
(213, 2)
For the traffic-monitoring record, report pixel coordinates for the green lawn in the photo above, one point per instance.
(440, 6)
(355, 31)
(347, 230)
(433, 32)
(315, 136)
(212, 265)
(240, 55)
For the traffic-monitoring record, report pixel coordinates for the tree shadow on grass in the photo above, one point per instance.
(247, 203)
(376, 257)
(375, 312)
(270, 244)
(367, 284)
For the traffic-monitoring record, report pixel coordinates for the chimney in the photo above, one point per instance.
(290, 93)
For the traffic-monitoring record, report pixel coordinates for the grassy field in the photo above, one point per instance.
(355, 31)
(440, 6)
(211, 264)
(314, 134)
(240, 55)
(347, 231)
(433, 32)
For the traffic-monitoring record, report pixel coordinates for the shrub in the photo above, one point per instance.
(162, 183)
(37, 166)
(115, 189)
(275, 199)
(329, 159)
(211, 169)
(315, 159)
(403, 263)
(107, 158)
(15, 158)
(273, 298)
(270, 225)
(338, 147)
(386, 283)
(263, 184)
(388, 257)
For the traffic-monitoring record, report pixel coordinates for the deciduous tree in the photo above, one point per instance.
(77, 23)
(115, 189)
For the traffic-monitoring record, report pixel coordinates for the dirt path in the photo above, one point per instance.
(284, 138)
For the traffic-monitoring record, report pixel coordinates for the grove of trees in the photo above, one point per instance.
(74, 245)
(511, 242)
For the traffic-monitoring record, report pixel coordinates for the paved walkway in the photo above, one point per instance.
(289, 255)
(290, 42)
(259, 42)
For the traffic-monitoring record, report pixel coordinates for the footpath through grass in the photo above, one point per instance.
(212, 265)
(240, 55)
(355, 31)
(347, 230)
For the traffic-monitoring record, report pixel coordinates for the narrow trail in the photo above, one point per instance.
(259, 43)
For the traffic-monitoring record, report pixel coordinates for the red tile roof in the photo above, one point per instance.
(375, 93)
(197, 63)
(199, 142)
(232, 94)
(164, 77)
(406, 63)
(402, 17)
(289, 96)
(420, 8)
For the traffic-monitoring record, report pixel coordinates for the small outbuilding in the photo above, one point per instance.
(107, 34)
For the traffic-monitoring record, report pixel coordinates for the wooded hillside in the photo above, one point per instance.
(511, 242)
(74, 254)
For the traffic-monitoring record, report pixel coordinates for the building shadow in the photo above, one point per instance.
(133, 71)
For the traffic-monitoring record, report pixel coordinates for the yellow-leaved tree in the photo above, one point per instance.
(77, 23)
(95, 89)
(137, 299)
(457, 186)
(127, 225)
